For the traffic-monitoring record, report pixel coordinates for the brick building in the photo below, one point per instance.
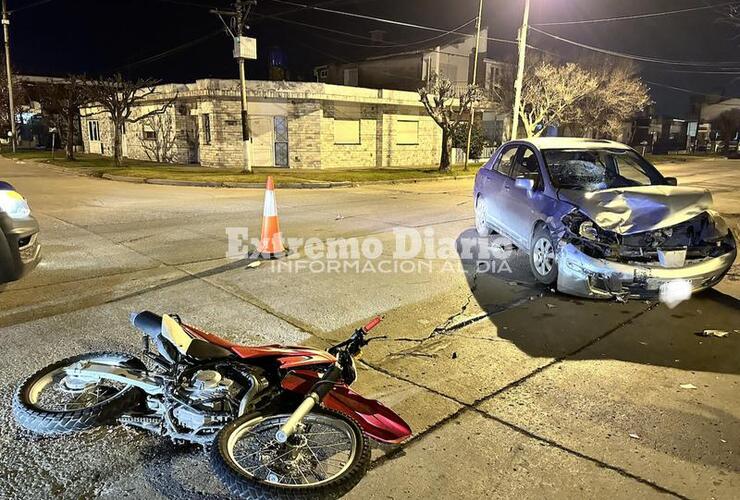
(293, 124)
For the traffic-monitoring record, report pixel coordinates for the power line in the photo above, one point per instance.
(171, 51)
(688, 91)
(637, 57)
(638, 16)
(28, 6)
(385, 21)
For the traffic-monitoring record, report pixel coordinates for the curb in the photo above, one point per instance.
(246, 185)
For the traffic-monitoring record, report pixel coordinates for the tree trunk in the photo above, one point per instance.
(117, 146)
(444, 161)
(70, 140)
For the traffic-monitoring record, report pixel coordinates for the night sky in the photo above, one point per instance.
(58, 37)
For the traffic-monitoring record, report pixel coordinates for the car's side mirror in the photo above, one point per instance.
(524, 183)
(671, 181)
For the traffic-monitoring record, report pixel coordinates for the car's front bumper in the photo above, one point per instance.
(584, 276)
(20, 250)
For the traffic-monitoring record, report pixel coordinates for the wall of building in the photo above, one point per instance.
(328, 126)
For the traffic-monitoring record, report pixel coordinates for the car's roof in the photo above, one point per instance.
(572, 143)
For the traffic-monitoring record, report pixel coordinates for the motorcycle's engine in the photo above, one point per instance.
(207, 398)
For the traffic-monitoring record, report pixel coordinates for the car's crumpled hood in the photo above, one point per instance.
(637, 209)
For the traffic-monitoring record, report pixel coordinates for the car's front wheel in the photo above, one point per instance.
(542, 257)
(481, 218)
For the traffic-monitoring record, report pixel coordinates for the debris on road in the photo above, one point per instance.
(634, 436)
(713, 333)
(454, 355)
(551, 306)
(255, 263)
(687, 386)
(339, 217)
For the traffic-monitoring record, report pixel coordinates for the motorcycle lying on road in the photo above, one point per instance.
(281, 421)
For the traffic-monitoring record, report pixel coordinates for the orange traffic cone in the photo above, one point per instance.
(271, 240)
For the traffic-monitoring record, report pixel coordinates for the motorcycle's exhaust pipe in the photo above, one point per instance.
(317, 393)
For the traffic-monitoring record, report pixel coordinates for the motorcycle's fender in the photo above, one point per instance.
(377, 420)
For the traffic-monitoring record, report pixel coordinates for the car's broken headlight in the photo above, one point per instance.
(13, 204)
(583, 228)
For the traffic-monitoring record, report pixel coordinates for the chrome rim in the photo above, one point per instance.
(57, 391)
(543, 256)
(323, 449)
(480, 216)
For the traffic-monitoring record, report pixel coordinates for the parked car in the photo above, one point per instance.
(599, 220)
(20, 251)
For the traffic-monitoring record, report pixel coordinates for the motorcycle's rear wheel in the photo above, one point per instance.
(50, 402)
(326, 459)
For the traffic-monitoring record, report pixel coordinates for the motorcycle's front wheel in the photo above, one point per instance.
(52, 402)
(326, 458)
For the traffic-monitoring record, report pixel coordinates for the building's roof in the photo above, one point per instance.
(572, 143)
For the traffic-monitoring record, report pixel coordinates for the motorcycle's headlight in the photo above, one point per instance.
(13, 204)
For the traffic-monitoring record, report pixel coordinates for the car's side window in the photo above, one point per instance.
(503, 164)
(527, 166)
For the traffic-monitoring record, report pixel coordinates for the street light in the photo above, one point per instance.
(520, 70)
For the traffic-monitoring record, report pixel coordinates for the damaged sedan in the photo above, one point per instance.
(599, 220)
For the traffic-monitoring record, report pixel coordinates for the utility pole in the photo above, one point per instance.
(520, 70)
(475, 80)
(244, 48)
(11, 106)
(239, 21)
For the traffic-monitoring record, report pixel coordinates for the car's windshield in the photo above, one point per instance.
(596, 169)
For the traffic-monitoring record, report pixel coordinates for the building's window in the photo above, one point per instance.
(206, 122)
(407, 132)
(351, 77)
(148, 132)
(346, 131)
(93, 130)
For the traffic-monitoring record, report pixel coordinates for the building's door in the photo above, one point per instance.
(263, 142)
(281, 141)
(93, 131)
(191, 137)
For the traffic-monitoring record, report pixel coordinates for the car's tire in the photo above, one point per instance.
(481, 216)
(543, 256)
(50, 423)
(242, 486)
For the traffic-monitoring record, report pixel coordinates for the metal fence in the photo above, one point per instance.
(458, 155)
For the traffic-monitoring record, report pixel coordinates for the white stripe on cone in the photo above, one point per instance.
(270, 204)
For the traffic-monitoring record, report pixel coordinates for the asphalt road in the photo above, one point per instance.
(512, 390)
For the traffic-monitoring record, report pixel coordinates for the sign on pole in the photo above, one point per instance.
(245, 47)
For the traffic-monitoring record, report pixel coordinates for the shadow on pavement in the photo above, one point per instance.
(639, 331)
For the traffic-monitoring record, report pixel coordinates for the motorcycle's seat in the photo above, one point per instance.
(170, 337)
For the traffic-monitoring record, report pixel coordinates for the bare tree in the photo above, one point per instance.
(727, 124)
(19, 96)
(60, 103)
(619, 95)
(158, 137)
(447, 106)
(118, 98)
(549, 91)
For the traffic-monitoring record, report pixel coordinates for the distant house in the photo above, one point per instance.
(292, 125)
(452, 56)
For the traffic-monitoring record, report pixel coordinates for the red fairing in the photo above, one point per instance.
(287, 357)
(377, 420)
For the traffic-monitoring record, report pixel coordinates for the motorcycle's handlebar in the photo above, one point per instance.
(357, 340)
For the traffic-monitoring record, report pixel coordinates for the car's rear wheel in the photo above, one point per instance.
(542, 257)
(481, 218)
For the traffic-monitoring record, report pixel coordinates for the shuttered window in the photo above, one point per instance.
(346, 131)
(407, 132)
